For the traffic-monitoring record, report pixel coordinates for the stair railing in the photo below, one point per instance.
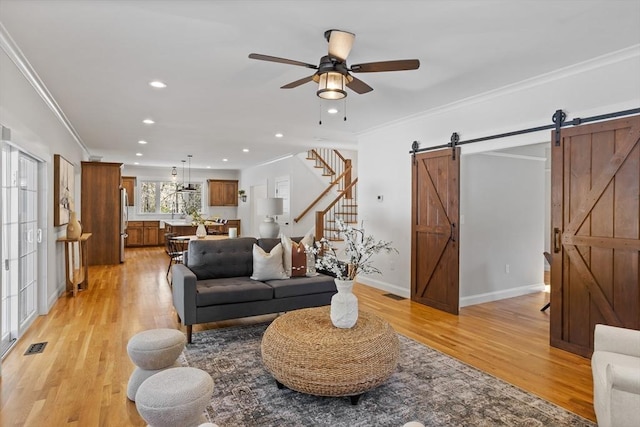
(347, 211)
(321, 162)
(338, 180)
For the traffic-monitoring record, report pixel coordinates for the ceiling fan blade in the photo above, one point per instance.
(359, 86)
(374, 67)
(298, 82)
(340, 43)
(281, 60)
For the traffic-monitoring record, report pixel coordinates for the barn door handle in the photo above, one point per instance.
(556, 240)
(453, 231)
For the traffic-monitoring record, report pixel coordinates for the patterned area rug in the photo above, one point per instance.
(428, 386)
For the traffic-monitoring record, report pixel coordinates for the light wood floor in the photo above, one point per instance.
(81, 377)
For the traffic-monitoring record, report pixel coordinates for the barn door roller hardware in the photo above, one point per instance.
(558, 119)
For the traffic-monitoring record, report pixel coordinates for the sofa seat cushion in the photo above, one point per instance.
(230, 290)
(297, 286)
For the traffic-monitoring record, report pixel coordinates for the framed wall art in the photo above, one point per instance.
(63, 189)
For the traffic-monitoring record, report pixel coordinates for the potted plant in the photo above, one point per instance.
(242, 195)
(358, 250)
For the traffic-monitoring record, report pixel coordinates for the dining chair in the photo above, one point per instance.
(175, 247)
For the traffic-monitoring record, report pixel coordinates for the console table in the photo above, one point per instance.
(76, 273)
(306, 353)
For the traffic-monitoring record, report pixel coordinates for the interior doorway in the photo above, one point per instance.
(256, 192)
(504, 223)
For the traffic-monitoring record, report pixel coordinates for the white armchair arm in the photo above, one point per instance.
(617, 340)
(624, 378)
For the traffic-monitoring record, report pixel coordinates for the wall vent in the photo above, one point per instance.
(395, 297)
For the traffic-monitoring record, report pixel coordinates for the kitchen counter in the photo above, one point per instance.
(176, 222)
(180, 227)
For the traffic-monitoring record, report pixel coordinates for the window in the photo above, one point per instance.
(166, 197)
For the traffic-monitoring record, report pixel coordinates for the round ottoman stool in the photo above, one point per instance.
(175, 397)
(153, 351)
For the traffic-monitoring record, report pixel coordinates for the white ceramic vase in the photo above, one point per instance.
(344, 305)
(201, 231)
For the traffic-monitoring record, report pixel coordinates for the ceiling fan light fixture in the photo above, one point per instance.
(331, 85)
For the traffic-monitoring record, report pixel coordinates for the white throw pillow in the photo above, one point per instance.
(268, 266)
(286, 253)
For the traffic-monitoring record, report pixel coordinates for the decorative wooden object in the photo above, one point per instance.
(76, 273)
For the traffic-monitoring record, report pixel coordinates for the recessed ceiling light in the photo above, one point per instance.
(148, 122)
(157, 84)
(139, 154)
(245, 150)
(142, 142)
(332, 111)
(279, 135)
(208, 167)
(225, 160)
(136, 163)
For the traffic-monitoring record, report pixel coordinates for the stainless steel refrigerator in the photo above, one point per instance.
(124, 219)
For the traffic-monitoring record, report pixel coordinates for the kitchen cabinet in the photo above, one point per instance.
(144, 233)
(150, 233)
(129, 184)
(223, 192)
(134, 233)
(101, 210)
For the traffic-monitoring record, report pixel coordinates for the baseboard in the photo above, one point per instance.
(502, 294)
(464, 301)
(388, 287)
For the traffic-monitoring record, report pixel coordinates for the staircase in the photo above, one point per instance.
(338, 172)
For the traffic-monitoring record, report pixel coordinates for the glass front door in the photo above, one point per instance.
(20, 236)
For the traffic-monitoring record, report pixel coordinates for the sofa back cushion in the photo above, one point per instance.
(269, 243)
(212, 259)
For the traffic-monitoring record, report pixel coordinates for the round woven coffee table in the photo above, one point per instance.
(306, 353)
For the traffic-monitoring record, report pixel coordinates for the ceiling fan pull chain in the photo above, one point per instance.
(320, 112)
(345, 109)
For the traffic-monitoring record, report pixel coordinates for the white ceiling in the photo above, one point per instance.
(97, 57)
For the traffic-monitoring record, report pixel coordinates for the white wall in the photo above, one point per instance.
(36, 130)
(305, 185)
(501, 227)
(604, 85)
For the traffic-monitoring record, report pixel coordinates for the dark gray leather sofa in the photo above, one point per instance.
(214, 284)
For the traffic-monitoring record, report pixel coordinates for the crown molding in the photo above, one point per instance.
(561, 73)
(17, 57)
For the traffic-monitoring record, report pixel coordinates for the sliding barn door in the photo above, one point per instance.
(595, 182)
(434, 243)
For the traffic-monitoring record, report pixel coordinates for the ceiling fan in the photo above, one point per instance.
(333, 73)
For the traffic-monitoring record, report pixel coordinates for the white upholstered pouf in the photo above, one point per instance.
(175, 397)
(153, 351)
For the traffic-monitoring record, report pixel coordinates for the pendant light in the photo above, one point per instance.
(190, 188)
